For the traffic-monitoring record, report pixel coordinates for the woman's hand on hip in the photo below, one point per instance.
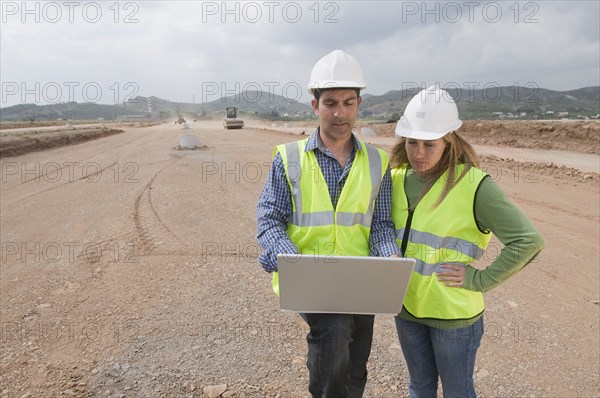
(454, 277)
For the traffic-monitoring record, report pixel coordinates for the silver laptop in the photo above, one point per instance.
(340, 284)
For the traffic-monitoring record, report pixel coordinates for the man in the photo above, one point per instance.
(296, 215)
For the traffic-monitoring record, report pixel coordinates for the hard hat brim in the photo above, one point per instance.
(403, 129)
(337, 85)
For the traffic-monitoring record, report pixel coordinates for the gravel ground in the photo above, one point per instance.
(139, 278)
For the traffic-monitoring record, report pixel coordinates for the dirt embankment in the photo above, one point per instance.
(527, 148)
(574, 136)
(19, 139)
(531, 171)
(32, 141)
(41, 123)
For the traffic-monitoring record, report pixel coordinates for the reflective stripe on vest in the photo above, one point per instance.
(433, 242)
(446, 234)
(294, 173)
(316, 227)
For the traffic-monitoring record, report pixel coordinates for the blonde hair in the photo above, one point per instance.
(457, 151)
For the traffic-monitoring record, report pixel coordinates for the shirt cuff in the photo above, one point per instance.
(469, 280)
(286, 246)
(268, 258)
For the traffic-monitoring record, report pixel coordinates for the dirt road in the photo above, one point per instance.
(129, 270)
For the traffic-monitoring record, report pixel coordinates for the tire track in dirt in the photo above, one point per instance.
(147, 235)
(150, 228)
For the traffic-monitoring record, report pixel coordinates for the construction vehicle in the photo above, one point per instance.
(180, 119)
(231, 122)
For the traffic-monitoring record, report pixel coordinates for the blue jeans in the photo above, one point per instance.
(448, 353)
(339, 346)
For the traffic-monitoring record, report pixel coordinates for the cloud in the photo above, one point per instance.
(174, 50)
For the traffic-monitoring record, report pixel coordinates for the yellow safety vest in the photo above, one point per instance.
(316, 227)
(446, 234)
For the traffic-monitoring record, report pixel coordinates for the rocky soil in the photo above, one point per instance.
(130, 270)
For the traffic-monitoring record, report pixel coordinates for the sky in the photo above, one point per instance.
(197, 51)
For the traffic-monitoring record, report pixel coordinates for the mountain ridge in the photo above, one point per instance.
(488, 103)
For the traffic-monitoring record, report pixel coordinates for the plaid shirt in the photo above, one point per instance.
(274, 208)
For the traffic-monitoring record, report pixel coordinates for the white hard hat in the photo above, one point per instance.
(336, 69)
(431, 114)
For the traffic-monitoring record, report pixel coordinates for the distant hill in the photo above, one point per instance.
(493, 102)
(69, 110)
(474, 104)
(255, 102)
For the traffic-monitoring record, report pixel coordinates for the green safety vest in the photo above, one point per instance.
(446, 234)
(316, 227)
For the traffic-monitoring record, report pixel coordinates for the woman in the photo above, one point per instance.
(445, 210)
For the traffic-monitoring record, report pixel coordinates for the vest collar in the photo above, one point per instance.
(314, 142)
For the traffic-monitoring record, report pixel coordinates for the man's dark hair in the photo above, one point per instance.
(317, 93)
